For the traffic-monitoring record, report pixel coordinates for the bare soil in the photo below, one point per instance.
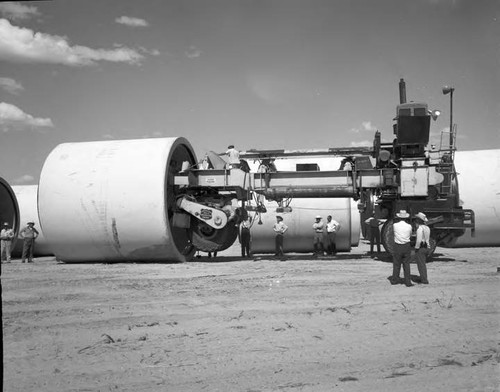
(232, 324)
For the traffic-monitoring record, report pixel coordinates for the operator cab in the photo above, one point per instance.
(411, 129)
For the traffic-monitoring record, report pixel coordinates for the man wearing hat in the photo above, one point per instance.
(318, 236)
(6, 237)
(332, 226)
(280, 229)
(29, 234)
(422, 246)
(233, 157)
(402, 249)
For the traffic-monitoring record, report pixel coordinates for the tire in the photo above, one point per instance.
(207, 239)
(387, 236)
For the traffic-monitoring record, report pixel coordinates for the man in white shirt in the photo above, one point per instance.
(233, 157)
(422, 246)
(280, 229)
(332, 226)
(402, 249)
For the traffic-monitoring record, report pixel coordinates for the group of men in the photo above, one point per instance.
(324, 240)
(28, 234)
(401, 255)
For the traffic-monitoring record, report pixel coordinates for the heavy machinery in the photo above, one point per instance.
(147, 199)
(385, 178)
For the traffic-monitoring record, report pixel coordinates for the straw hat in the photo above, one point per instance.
(422, 217)
(402, 214)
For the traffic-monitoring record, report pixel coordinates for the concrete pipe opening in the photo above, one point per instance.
(9, 209)
(113, 201)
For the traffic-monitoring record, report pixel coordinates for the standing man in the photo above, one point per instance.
(29, 234)
(318, 236)
(233, 157)
(6, 237)
(245, 237)
(422, 246)
(280, 229)
(374, 232)
(332, 226)
(402, 249)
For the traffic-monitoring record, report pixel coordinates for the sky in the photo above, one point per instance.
(264, 74)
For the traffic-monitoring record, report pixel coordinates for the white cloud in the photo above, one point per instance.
(22, 45)
(11, 117)
(132, 22)
(152, 52)
(10, 85)
(366, 126)
(193, 52)
(25, 179)
(16, 11)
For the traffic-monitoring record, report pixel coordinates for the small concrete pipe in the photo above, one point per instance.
(113, 201)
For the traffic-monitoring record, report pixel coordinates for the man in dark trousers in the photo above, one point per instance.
(29, 234)
(280, 229)
(374, 233)
(402, 249)
(332, 227)
(245, 237)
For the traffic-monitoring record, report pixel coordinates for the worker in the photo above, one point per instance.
(280, 229)
(205, 164)
(422, 246)
(373, 233)
(29, 235)
(267, 166)
(6, 237)
(233, 157)
(245, 237)
(402, 249)
(332, 227)
(347, 164)
(318, 226)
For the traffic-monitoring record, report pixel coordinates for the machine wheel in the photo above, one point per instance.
(207, 239)
(387, 236)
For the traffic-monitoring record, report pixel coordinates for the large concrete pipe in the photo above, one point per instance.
(113, 200)
(479, 190)
(299, 237)
(27, 199)
(9, 208)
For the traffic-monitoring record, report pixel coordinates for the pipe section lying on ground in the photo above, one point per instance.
(299, 237)
(112, 201)
(479, 187)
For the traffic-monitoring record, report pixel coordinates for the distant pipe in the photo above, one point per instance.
(402, 91)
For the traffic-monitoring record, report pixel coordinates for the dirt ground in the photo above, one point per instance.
(228, 324)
